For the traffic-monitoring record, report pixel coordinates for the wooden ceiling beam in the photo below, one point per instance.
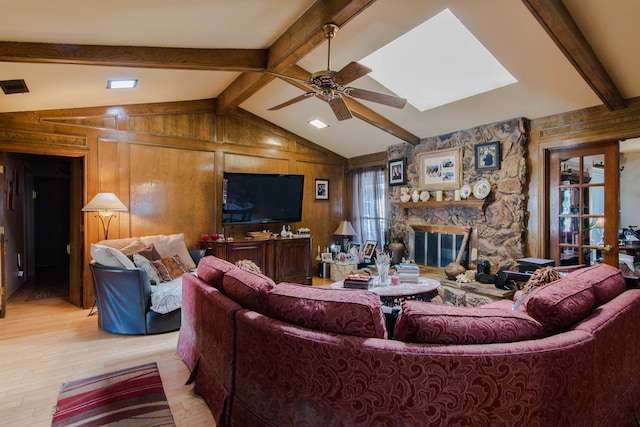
(136, 56)
(554, 17)
(304, 35)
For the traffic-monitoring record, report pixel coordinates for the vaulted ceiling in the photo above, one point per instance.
(566, 55)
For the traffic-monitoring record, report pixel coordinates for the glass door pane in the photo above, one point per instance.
(581, 209)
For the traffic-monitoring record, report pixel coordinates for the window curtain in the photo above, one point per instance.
(369, 205)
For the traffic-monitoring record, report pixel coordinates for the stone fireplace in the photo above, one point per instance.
(498, 225)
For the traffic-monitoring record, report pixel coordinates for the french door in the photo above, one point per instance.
(583, 205)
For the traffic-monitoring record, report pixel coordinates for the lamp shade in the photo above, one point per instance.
(105, 202)
(345, 229)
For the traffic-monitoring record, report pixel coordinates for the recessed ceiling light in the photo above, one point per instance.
(122, 84)
(438, 62)
(318, 123)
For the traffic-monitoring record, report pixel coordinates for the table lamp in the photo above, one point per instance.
(105, 204)
(345, 229)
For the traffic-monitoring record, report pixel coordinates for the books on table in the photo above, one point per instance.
(357, 281)
(408, 272)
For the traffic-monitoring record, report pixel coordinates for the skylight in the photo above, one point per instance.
(436, 63)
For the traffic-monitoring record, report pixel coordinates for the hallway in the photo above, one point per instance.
(48, 282)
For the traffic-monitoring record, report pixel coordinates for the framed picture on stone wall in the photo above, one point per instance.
(440, 170)
(397, 174)
(488, 156)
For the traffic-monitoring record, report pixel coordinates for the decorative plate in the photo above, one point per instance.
(465, 191)
(481, 189)
(424, 196)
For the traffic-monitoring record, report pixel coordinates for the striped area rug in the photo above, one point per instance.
(129, 397)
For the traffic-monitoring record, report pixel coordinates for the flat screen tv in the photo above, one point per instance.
(251, 198)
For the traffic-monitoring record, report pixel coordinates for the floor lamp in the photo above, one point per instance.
(105, 204)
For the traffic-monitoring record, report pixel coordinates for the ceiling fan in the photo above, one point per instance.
(331, 85)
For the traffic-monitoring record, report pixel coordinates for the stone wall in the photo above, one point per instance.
(501, 227)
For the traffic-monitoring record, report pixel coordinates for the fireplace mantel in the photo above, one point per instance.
(432, 204)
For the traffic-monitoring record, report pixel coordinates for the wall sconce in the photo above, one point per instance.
(345, 229)
(105, 204)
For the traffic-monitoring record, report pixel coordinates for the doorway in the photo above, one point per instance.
(43, 228)
(583, 205)
(47, 225)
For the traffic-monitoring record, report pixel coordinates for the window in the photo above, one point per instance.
(369, 210)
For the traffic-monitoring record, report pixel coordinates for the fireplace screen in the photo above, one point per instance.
(438, 248)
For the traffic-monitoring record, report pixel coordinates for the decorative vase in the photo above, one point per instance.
(396, 249)
(284, 232)
(383, 262)
(415, 196)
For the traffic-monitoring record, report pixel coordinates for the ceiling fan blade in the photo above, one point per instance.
(380, 98)
(293, 100)
(340, 108)
(352, 71)
(287, 77)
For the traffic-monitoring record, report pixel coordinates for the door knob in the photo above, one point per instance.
(606, 248)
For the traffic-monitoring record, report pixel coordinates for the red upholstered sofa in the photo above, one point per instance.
(286, 355)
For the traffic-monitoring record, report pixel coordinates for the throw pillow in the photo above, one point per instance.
(171, 245)
(144, 264)
(607, 281)
(423, 322)
(132, 247)
(212, 269)
(110, 257)
(358, 312)
(118, 243)
(540, 277)
(170, 268)
(149, 252)
(559, 304)
(166, 297)
(247, 289)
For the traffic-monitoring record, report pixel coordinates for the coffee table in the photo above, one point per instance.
(393, 295)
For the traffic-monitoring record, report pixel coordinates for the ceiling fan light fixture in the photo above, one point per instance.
(318, 123)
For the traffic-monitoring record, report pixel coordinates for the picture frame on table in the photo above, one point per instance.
(397, 171)
(487, 156)
(369, 250)
(321, 189)
(354, 250)
(326, 257)
(440, 170)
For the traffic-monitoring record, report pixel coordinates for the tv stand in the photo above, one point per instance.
(281, 259)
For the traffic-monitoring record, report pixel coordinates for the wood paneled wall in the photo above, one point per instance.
(166, 161)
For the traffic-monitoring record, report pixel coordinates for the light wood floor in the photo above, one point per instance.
(47, 342)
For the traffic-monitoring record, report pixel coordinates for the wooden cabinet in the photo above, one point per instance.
(283, 260)
(234, 251)
(292, 260)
